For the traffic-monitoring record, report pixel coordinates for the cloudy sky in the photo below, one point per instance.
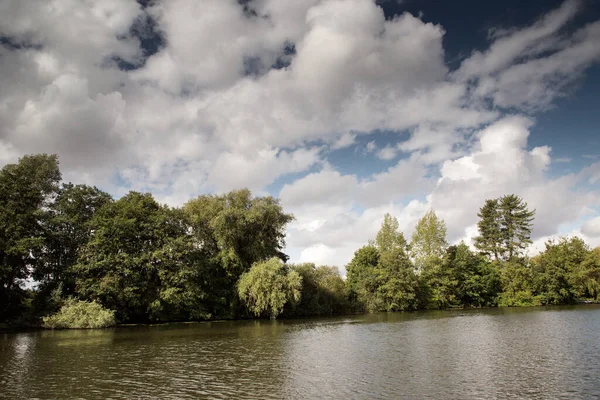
(344, 109)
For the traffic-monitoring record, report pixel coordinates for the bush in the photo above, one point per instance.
(76, 314)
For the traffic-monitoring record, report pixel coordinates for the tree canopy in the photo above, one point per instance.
(67, 248)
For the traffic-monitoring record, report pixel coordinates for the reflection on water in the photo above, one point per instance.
(537, 353)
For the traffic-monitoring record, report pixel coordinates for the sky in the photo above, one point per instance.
(344, 109)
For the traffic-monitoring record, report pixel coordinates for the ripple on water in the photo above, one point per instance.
(532, 353)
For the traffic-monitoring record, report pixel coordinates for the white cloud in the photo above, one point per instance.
(387, 153)
(207, 113)
(592, 228)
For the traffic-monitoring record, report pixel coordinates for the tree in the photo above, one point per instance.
(268, 286)
(389, 236)
(235, 231)
(489, 240)
(517, 284)
(397, 283)
(135, 245)
(554, 269)
(428, 240)
(323, 291)
(516, 225)
(504, 228)
(586, 276)
(241, 228)
(361, 277)
(67, 231)
(26, 190)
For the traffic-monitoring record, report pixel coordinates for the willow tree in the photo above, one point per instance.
(268, 286)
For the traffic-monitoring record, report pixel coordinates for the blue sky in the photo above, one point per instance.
(344, 109)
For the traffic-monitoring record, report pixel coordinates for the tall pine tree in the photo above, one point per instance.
(489, 240)
(504, 227)
(517, 223)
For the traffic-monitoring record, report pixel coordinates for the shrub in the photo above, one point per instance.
(76, 314)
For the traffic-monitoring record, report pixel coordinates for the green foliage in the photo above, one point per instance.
(80, 315)
(361, 278)
(517, 284)
(239, 228)
(461, 279)
(134, 242)
(389, 236)
(222, 255)
(554, 271)
(381, 276)
(504, 228)
(397, 283)
(323, 291)
(268, 286)
(235, 231)
(428, 242)
(26, 190)
(586, 276)
(67, 231)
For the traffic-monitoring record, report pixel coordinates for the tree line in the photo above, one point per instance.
(221, 256)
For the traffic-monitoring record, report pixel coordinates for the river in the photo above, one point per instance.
(535, 353)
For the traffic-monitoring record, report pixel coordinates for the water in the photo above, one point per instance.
(537, 353)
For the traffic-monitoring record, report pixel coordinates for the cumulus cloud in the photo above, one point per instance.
(592, 228)
(242, 95)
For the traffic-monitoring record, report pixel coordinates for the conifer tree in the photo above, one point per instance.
(504, 227)
(489, 239)
(517, 223)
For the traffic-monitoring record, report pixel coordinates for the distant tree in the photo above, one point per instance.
(389, 236)
(240, 229)
(67, 230)
(323, 291)
(555, 268)
(586, 276)
(235, 231)
(428, 240)
(268, 286)
(397, 282)
(504, 228)
(516, 223)
(361, 277)
(490, 237)
(27, 188)
(462, 279)
(517, 284)
(135, 246)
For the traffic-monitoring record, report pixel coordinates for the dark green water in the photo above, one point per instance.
(532, 353)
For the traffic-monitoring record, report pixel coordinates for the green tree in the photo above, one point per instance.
(389, 236)
(235, 231)
(397, 283)
(135, 245)
(517, 284)
(516, 226)
(428, 240)
(268, 286)
(323, 291)
(26, 191)
(586, 276)
(490, 238)
(67, 231)
(462, 279)
(554, 269)
(361, 278)
(504, 228)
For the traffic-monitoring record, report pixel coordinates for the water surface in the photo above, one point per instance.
(536, 353)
